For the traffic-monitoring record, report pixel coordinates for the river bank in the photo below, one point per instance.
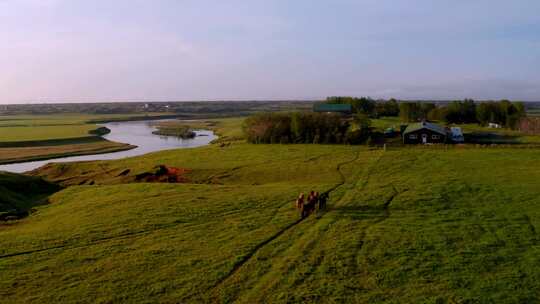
(126, 139)
(98, 145)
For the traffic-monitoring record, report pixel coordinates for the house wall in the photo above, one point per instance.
(430, 137)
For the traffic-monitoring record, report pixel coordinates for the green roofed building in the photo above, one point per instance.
(332, 108)
(425, 133)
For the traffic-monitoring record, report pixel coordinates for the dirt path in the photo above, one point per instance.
(343, 179)
(251, 253)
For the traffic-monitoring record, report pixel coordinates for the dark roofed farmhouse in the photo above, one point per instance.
(424, 133)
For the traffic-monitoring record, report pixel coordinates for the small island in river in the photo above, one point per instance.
(180, 131)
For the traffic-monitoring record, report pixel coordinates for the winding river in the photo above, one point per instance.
(137, 133)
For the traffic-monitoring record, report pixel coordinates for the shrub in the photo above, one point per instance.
(311, 128)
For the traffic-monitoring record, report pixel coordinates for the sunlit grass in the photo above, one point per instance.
(414, 225)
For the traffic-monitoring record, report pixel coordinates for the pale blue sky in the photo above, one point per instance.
(107, 50)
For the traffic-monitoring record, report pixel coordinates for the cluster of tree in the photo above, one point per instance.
(304, 127)
(415, 111)
(459, 112)
(367, 106)
(180, 131)
(505, 113)
(387, 108)
(363, 105)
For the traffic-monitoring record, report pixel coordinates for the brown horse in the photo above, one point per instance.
(300, 201)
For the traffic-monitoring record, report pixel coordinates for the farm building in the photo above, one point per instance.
(332, 108)
(424, 133)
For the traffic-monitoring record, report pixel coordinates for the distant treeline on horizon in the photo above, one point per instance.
(223, 107)
(504, 112)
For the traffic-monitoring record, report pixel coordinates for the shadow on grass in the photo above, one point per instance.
(491, 138)
(19, 194)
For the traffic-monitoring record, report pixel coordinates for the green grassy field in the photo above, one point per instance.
(70, 119)
(383, 123)
(31, 133)
(417, 225)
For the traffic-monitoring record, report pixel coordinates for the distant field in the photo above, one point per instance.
(407, 225)
(383, 123)
(12, 134)
(534, 112)
(37, 137)
(83, 147)
(68, 119)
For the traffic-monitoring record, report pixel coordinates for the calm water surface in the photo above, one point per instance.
(137, 133)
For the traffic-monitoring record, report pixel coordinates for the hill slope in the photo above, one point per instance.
(408, 226)
(19, 193)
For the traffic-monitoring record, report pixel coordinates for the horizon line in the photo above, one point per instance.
(259, 100)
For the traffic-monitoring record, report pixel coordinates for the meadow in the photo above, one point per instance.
(440, 224)
(403, 226)
(32, 133)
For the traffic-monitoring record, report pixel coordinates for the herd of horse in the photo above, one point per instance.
(314, 202)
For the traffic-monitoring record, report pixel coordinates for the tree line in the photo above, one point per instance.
(305, 127)
(505, 113)
(319, 128)
(367, 106)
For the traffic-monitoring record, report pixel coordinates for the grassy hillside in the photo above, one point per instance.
(403, 226)
(237, 163)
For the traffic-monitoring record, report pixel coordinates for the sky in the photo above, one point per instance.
(174, 50)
